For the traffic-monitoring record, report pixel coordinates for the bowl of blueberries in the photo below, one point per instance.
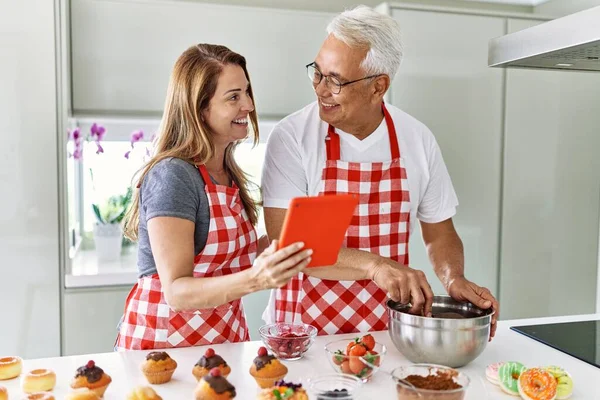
(334, 387)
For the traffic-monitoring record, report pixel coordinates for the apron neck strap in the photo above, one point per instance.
(205, 175)
(332, 141)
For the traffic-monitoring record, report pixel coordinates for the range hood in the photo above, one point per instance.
(571, 43)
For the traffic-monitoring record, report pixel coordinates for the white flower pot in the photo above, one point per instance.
(108, 239)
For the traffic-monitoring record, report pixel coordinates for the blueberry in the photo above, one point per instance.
(335, 394)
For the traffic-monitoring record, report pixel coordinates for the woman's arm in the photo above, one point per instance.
(172, 242)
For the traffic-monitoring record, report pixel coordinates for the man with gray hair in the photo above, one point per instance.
(349, 141)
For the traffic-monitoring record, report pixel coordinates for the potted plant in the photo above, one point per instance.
(108, 232)
(109, 213)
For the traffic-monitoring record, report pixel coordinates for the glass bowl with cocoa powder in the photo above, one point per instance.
(430, 382)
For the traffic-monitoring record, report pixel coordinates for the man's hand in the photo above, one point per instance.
(404, 285)
(461, 289)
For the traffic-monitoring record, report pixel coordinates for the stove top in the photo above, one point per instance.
(578, 339)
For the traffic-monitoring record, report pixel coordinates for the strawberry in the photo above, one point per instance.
(345, 367)
(215, 372)
(368, 341)
(358, 350)
(209, 353)
(262, 351)
(356, 365)
(90, 364)
(339, 357)
(351, 345)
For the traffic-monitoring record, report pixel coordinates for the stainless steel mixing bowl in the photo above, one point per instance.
(455, 335)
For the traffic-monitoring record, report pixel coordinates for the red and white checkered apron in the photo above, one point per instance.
(380, 225)
(231, 245)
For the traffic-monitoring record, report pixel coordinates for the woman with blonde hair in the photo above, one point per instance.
(193, 214)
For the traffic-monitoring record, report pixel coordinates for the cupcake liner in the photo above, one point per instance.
(266, 383)
(158, 378)
(100, 390)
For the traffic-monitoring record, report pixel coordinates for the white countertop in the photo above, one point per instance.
(124, 368)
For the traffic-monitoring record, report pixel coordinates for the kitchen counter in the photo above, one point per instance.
(507, 346)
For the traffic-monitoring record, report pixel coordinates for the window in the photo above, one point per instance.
(99, 176)
(250, 159)
(112, 174)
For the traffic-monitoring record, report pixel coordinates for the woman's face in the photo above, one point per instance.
(227, 113)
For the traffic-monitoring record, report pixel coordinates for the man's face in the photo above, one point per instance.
(337, 59)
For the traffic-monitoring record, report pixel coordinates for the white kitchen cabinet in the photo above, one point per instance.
(444, 82)
(254, 305)
(551, 192)
(123, 52)
(90, 318)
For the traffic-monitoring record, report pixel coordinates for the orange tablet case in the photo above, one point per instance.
(321, 223)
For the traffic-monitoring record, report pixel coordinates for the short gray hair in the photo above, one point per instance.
(363, 27)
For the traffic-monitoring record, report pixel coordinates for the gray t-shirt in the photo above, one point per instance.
(172, 188)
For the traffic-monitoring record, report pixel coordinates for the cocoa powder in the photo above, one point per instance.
(438, 381)
(440, 386)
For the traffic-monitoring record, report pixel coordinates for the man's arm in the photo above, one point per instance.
(403, 284)
(445, 250)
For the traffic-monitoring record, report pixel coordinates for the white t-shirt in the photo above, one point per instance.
(296, 155)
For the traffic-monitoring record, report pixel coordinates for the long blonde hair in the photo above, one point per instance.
(183, 134)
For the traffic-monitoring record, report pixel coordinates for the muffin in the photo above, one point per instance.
(283, 391)
(266, 369)
(214, 386)
(158, 367)
(209, 361)
(92, 377)
(143, 393)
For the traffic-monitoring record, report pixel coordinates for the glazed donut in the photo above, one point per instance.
(508, 375)
(82, 394)
(3, 393)
(40, 396)
(38, 380)
(537, 384)
(10, 367)
(564, 388)
(491, 373)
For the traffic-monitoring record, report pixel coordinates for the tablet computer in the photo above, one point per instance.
(321, 223)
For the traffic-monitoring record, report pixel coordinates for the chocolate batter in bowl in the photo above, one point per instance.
(456, 334)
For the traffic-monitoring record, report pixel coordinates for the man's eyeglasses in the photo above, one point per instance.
(332, 83)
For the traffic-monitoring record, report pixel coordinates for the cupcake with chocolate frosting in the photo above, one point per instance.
(209, 361)
(92, 377)
(158, 367)
(214, 386)
(266, 369)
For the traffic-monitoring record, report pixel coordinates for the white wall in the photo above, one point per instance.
(564, 7)
(340, 5)
(29, 245)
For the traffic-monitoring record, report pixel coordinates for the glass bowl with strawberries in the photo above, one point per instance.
(348, 356)
(288, 341)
